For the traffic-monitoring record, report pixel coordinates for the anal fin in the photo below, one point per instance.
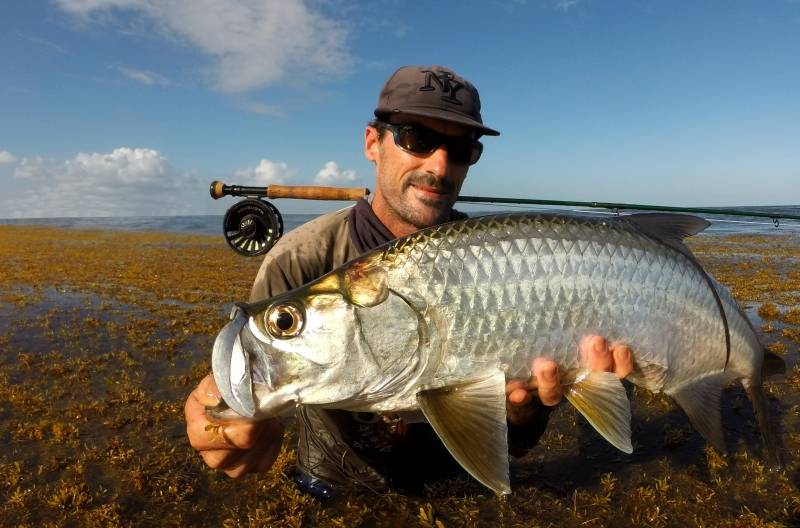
(470, 419)
(601, 399)
(700, 400)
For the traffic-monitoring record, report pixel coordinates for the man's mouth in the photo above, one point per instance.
(432, 191)
(430, 188)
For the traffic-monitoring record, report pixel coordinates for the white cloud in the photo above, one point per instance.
(6, 157)
(566, 5)
(32, 168)
(144, 76)
(43, 43)
(265, 173)
(124, 182)
(263, 109)
(255, 43)
(331, 175)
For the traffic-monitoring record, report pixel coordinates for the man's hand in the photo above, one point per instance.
(595, 353)
(236, 448)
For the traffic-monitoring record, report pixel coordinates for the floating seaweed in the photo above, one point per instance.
(105, 333)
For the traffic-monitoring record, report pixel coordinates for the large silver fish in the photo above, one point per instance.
(438, 321)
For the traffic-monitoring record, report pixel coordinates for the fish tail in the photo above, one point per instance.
(767, 432)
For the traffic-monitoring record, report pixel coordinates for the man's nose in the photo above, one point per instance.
(438, 162)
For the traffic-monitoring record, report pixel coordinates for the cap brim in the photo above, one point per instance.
(438, 113)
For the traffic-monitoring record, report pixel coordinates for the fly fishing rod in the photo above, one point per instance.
(253, 225)
(776, 218)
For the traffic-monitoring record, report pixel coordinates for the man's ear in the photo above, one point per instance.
(371, 143)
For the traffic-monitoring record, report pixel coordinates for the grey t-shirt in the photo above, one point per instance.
(305, 254)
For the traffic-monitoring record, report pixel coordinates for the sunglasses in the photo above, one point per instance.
(422, 141)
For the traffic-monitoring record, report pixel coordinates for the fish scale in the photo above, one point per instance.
(555, 281)
(440, 320)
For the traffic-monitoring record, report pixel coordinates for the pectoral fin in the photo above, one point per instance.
(601, 399)
(470, 419)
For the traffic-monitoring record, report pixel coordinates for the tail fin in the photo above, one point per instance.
(767, 432)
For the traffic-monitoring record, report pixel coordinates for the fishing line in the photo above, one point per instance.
(755, 223)
(782, 225)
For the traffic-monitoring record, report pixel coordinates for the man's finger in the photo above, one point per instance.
(545, 373)
(255, 460)
(513, 385)
(222, 458)
(623, 359)
(520, 396)
(207, 392)
(205, 433)
(596, 355)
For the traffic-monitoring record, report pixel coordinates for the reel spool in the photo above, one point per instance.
(252, 226)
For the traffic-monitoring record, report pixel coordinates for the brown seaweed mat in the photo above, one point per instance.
(103, 334)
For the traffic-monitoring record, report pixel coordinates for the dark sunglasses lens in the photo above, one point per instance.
(417, 141)
(468, 152)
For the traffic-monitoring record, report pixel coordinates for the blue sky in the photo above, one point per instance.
(131, 107)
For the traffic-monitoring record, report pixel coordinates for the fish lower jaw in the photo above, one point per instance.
(271, 404)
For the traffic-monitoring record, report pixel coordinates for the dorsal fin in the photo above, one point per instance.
(668, 228)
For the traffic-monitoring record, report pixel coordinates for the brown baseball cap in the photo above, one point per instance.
(432, 91)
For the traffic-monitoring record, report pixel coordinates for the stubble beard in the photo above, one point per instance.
(422, 211)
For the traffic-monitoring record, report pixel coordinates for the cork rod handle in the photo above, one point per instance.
(316, 193)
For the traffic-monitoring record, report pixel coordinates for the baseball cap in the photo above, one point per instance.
(432, 91)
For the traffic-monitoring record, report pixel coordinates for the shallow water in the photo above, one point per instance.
(104, 334)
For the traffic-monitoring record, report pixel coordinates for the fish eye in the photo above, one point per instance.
(284, 320)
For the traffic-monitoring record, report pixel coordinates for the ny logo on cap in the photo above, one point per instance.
(446, 83)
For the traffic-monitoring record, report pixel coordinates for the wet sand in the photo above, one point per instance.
(103, 334)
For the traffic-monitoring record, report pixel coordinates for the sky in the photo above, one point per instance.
(132, 107)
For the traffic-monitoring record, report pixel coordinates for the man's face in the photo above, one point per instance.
(415, 191)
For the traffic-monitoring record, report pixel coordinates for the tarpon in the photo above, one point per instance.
(440, 320)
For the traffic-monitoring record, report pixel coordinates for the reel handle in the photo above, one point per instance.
(305, 192)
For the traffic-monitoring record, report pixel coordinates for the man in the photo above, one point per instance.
(422, 142)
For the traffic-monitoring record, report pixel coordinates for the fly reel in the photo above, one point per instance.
(252, 226)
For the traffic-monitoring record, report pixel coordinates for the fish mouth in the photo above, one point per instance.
(231, 365)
